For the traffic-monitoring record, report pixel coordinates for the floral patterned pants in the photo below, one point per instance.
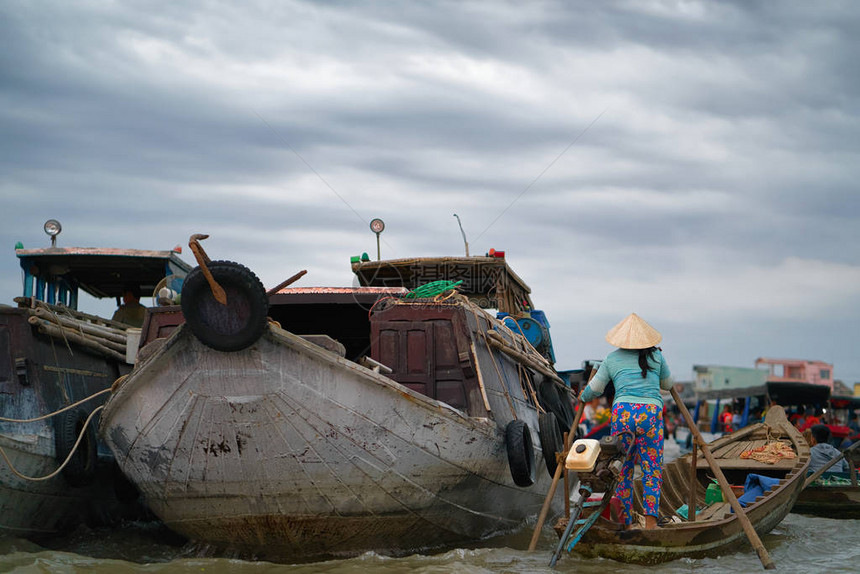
(646, 422)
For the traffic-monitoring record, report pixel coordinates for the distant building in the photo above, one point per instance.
(840, 389)
(797, 381)
(797, 371)
(719, 382)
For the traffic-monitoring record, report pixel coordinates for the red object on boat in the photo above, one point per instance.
(839, 431)
(612, 511)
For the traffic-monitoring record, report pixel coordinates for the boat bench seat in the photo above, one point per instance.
(715, 511)
(751, 465)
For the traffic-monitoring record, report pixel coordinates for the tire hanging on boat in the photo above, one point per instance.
(550, 440)
(68, 425)
(231, 327)
(556, 401)
(566, 401)
(521, 453)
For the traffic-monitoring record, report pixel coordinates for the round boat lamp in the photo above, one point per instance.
(377, 225)
(53, 228)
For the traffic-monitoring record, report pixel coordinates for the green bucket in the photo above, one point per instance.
(713, 493)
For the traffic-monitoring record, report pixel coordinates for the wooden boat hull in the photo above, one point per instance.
(723, 532)
(829, 502)
(286, 450)
(54, 507)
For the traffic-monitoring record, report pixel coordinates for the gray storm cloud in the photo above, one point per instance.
(714, 192)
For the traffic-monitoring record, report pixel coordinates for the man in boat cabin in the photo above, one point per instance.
(822, 451)
(638, 371)
(131, 312)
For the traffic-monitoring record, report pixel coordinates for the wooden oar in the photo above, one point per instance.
(724, 485)
(558, 470)
(691, 502)
(830, 463)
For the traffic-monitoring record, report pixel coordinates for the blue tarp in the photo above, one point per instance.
(755, 486)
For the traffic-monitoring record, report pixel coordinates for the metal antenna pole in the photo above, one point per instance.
(464, 234)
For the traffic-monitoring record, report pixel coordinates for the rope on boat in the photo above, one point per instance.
(65, 462)
(772, 451)
(64, 409)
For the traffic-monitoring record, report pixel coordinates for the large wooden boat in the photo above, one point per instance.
(715, 529)
(379, 421)
(52, 356)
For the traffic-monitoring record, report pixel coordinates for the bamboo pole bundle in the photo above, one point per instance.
(102, 346)
(496, 340)
(70, 325)
(31, 303)
(103, 332)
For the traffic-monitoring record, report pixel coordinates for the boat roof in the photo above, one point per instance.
(482, 277)
(845, 402)
(796, 393)
(102, 272)
(335, 295)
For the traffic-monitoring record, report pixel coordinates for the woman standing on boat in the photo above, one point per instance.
(638, 371)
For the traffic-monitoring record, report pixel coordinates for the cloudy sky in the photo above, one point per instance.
(694, 162)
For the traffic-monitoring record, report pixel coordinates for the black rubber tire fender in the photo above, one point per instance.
(231, 327)
(521, 453)
(566, 402)
(550, 440)
(553, 400)
(81, 469)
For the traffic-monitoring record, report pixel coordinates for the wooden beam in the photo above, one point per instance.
(694, 481)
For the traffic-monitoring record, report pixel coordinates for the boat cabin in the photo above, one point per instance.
(52, 355)
(487, 281)
(340, 313)
(56, 275)
(425, 347)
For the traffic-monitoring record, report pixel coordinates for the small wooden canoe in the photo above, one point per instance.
(716, 529)
(830, 500)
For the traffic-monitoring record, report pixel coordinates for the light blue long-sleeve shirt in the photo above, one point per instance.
(622, 368)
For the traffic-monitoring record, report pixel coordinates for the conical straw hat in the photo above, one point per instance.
(633, 333)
